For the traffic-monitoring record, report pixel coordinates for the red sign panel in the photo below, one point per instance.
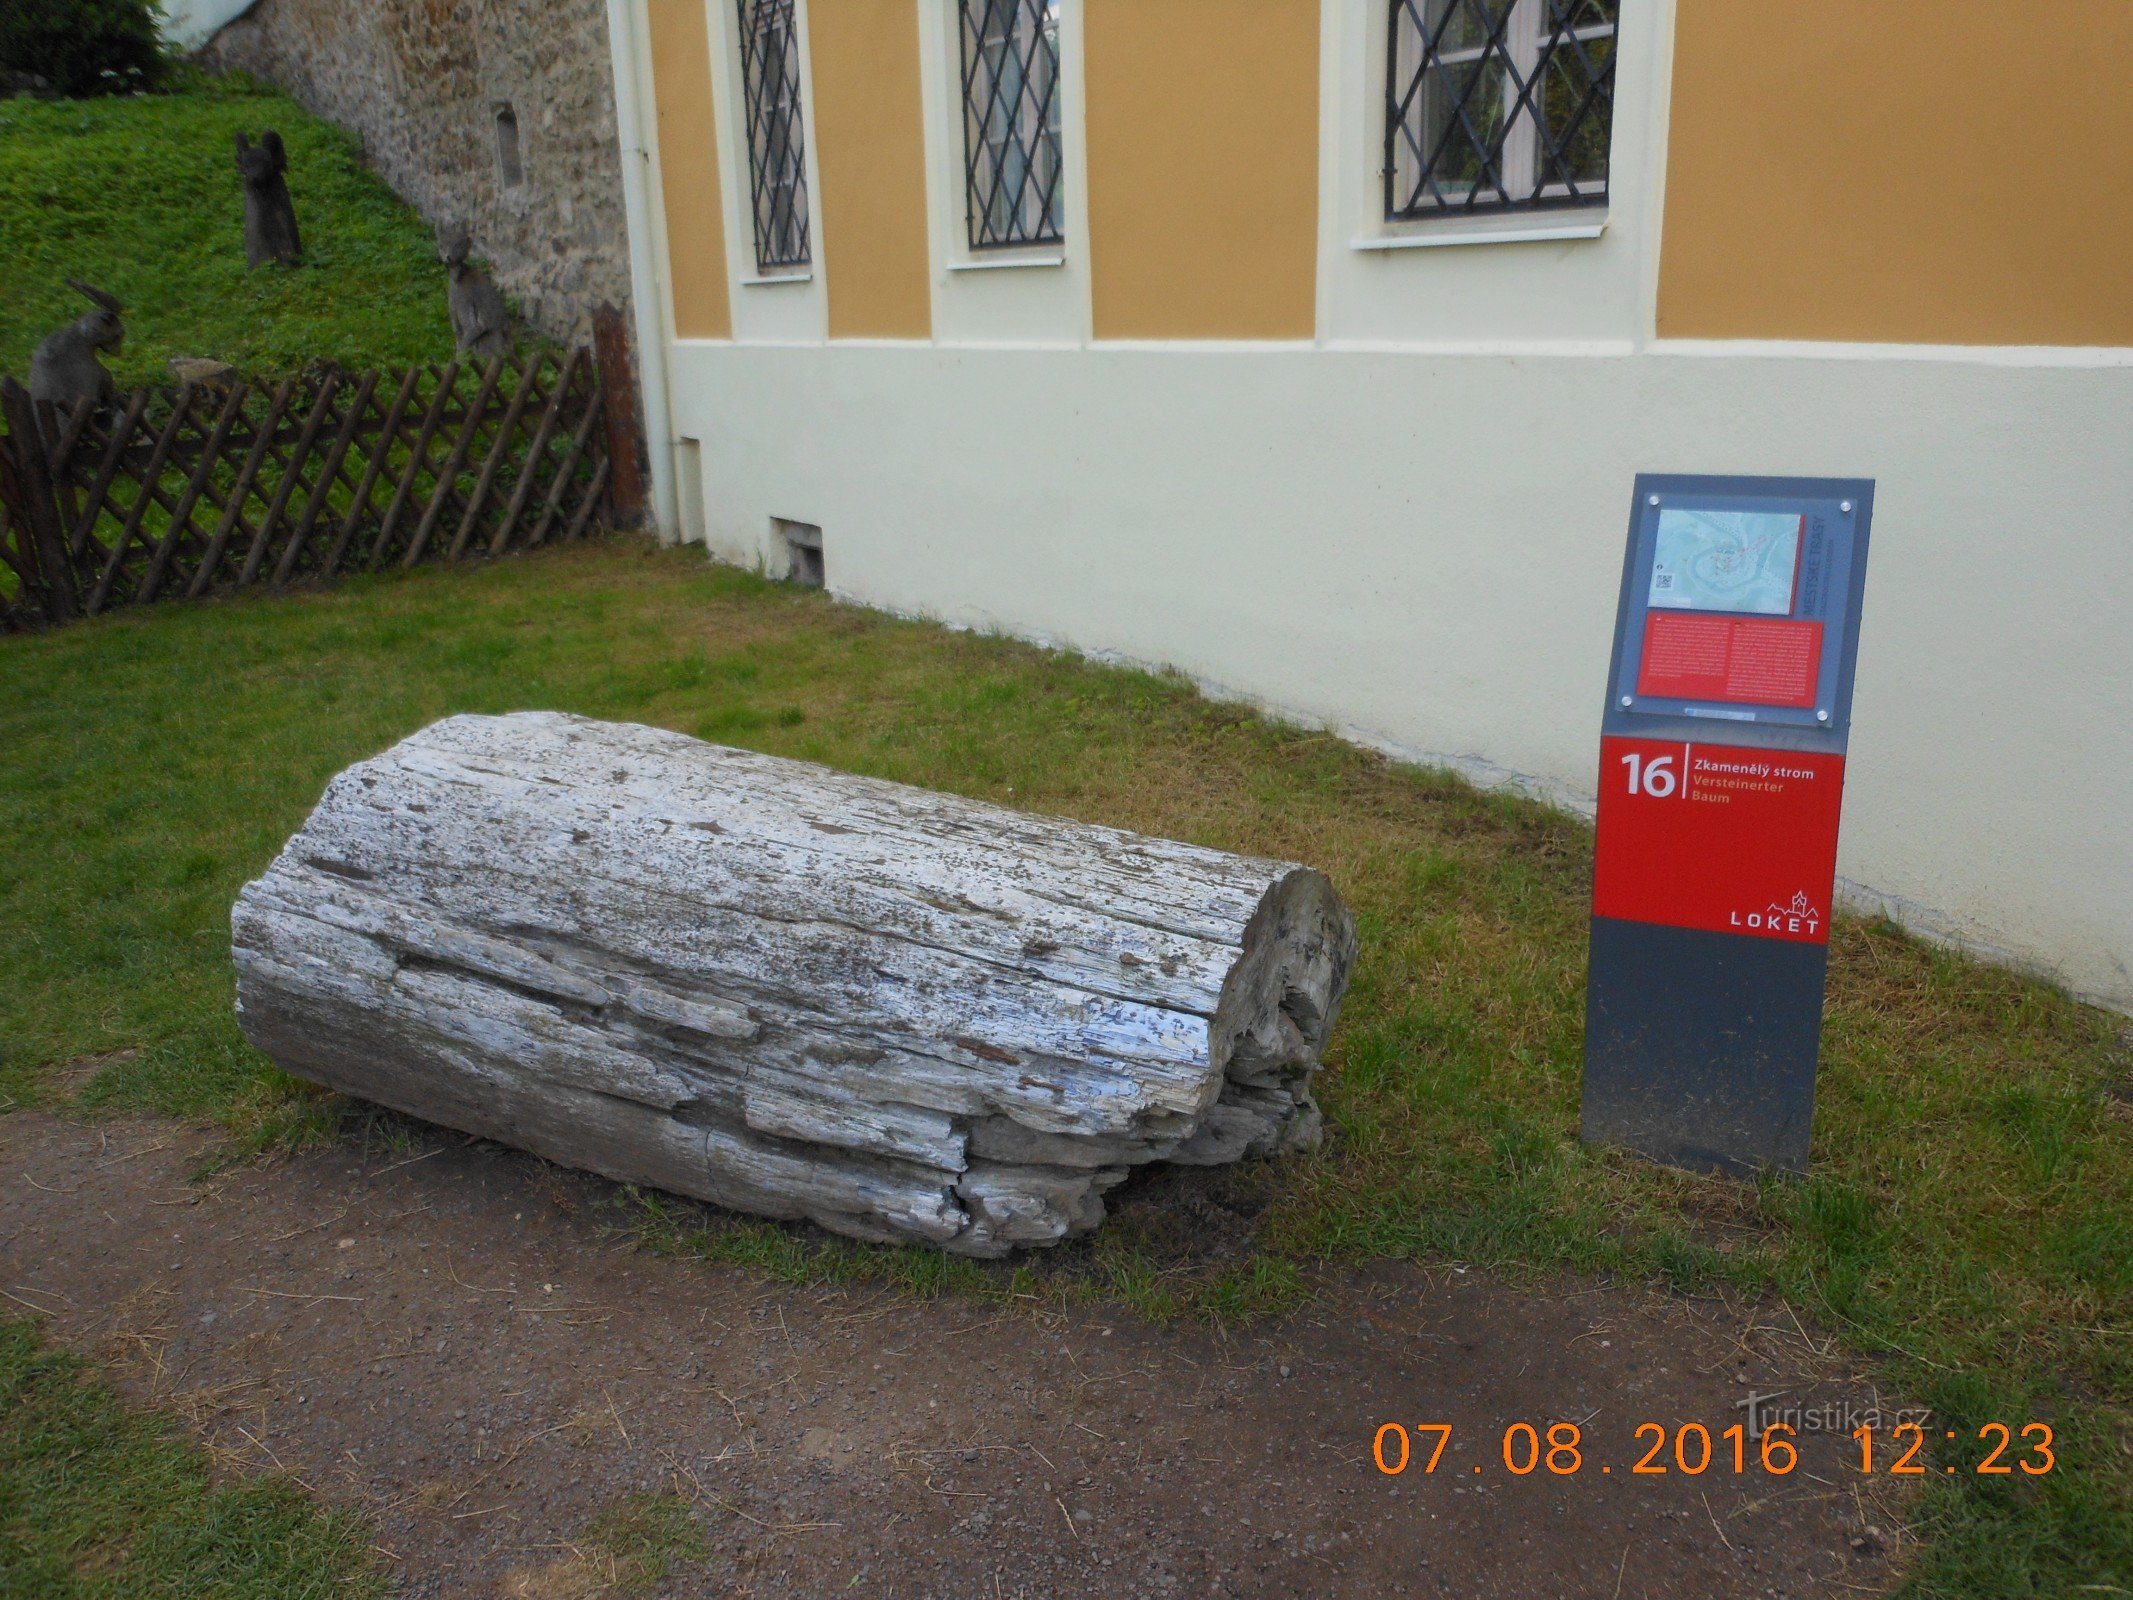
(1718, 837)
(1764, 661)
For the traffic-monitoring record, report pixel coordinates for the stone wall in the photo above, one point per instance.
(433, 87)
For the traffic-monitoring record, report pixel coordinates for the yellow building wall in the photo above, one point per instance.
(1202, 121)
(688, 167)
(870, 154)
(1940, 171)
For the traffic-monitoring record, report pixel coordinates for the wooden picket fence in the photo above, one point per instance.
(210, 487)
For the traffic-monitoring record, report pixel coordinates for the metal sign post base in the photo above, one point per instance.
(1700, 1047)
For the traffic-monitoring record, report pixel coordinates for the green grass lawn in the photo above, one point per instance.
(141, 197)
(99, 1501)
(1968, 1228)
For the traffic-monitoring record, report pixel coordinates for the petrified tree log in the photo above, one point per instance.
(786, 989)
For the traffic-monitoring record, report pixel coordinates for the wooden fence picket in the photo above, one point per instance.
(291, 476)
(570, 463)
(34, 510)
(327, 475)
(417, 459)
(240, 491)
(107, 471)
(359, 503)
(536, 452)
(130, 529)
(195, 486)
(454, 462)
(497, 449)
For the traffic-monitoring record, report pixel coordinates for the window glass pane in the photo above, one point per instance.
(1011, 121)
(777, 146)
(1581, 14)
(1497, 104)
(1466, 24)
(1573, 106)
(1462, 123)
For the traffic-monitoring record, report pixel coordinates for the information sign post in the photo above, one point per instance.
(1721, 777)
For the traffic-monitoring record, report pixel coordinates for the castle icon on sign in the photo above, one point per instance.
(1797, 917)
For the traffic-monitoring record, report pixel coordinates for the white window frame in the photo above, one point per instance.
(1038, 296)
(789, 307)
(1562, 279)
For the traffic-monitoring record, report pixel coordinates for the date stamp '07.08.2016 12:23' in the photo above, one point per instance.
(1690, 1448)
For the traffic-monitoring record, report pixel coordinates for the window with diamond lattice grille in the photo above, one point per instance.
(1497, 105)
(1011, 121)
(777, 143)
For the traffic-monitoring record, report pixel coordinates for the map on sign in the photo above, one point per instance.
(1726, 561)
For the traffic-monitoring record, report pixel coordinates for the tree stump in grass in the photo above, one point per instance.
(784, 989)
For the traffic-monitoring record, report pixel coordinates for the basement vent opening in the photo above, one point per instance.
(508, 163)
(803, 551)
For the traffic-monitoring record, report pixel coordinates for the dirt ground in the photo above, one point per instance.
(452, 1341)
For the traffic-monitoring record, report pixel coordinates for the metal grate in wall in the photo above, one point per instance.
(777, 144)
(1497, 105)
(1011, 121)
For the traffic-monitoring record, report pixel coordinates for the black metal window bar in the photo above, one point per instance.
(1011, 121)
(777, 144)
(1497, 105)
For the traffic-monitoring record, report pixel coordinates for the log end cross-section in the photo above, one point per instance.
(784, 989)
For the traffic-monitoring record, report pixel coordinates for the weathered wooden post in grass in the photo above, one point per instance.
(36, 544)
(65, 368)
(270, 231)
(785, 989)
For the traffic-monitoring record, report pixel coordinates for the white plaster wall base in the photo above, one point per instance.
(1424, 546)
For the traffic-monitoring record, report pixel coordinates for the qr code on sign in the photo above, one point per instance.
(1663, 580)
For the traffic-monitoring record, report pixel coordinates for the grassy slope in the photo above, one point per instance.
(1968, 1221)
(140, 196)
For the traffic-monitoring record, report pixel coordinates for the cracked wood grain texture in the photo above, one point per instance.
(785, 989)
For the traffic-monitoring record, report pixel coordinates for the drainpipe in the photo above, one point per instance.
(625, 49)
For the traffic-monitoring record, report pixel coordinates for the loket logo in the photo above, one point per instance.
(1800, 916)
